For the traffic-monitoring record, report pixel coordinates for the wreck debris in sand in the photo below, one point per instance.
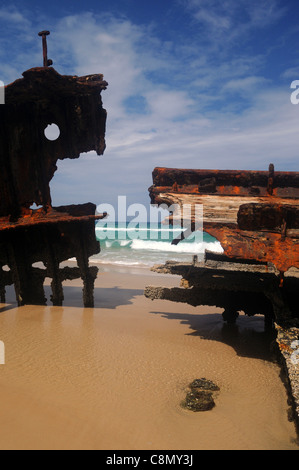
(255, 217)
(28, 160)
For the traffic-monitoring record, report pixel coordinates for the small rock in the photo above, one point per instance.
(199, 401)
(200, 397)
(204, 384)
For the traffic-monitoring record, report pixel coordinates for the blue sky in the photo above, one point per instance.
(192, 84)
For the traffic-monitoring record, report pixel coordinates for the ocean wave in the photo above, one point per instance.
(192, 248)
(121, 262)
(148, 245)
(116, 243)
(125, 243)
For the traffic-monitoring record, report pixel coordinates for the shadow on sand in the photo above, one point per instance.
(248, 336)
(104, 297)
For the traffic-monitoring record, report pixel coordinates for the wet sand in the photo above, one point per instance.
(113, 377)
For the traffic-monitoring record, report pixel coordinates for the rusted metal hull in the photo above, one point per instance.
(28, 162)
(27, 158)
(254, 215)
(49, 240)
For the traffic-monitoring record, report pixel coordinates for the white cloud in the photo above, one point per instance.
(187, 127)
(291, 73)
(193, 115)
(212, 19)
(10, 14)
(229, 20)
(103, 45)
(250, 84)
(165, 104)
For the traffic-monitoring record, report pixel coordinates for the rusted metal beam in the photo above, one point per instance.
(52, 216)
(47, 62)
(226, 182)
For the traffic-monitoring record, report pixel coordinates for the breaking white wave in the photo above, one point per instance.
(124, 245)
(192, 248)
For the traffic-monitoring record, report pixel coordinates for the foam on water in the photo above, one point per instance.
(148, 244)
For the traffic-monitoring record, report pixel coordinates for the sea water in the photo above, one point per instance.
(146, 244)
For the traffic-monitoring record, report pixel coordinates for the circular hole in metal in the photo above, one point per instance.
(52, 132)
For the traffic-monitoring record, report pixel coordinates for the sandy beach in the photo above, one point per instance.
(113, 377)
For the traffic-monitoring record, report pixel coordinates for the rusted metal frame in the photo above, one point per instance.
(52, 265)
(21, 264)
(205, 284)
(88, 275)
(28, 281)
(46, 97)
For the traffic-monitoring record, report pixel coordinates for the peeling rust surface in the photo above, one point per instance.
(253, 214)
(51, 216)
(226, 182)
(28, 163)
(265, 247)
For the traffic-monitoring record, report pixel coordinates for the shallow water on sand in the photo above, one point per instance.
(113, 377)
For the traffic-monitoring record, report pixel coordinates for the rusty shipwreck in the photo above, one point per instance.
(31, 230)
(255, 217)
